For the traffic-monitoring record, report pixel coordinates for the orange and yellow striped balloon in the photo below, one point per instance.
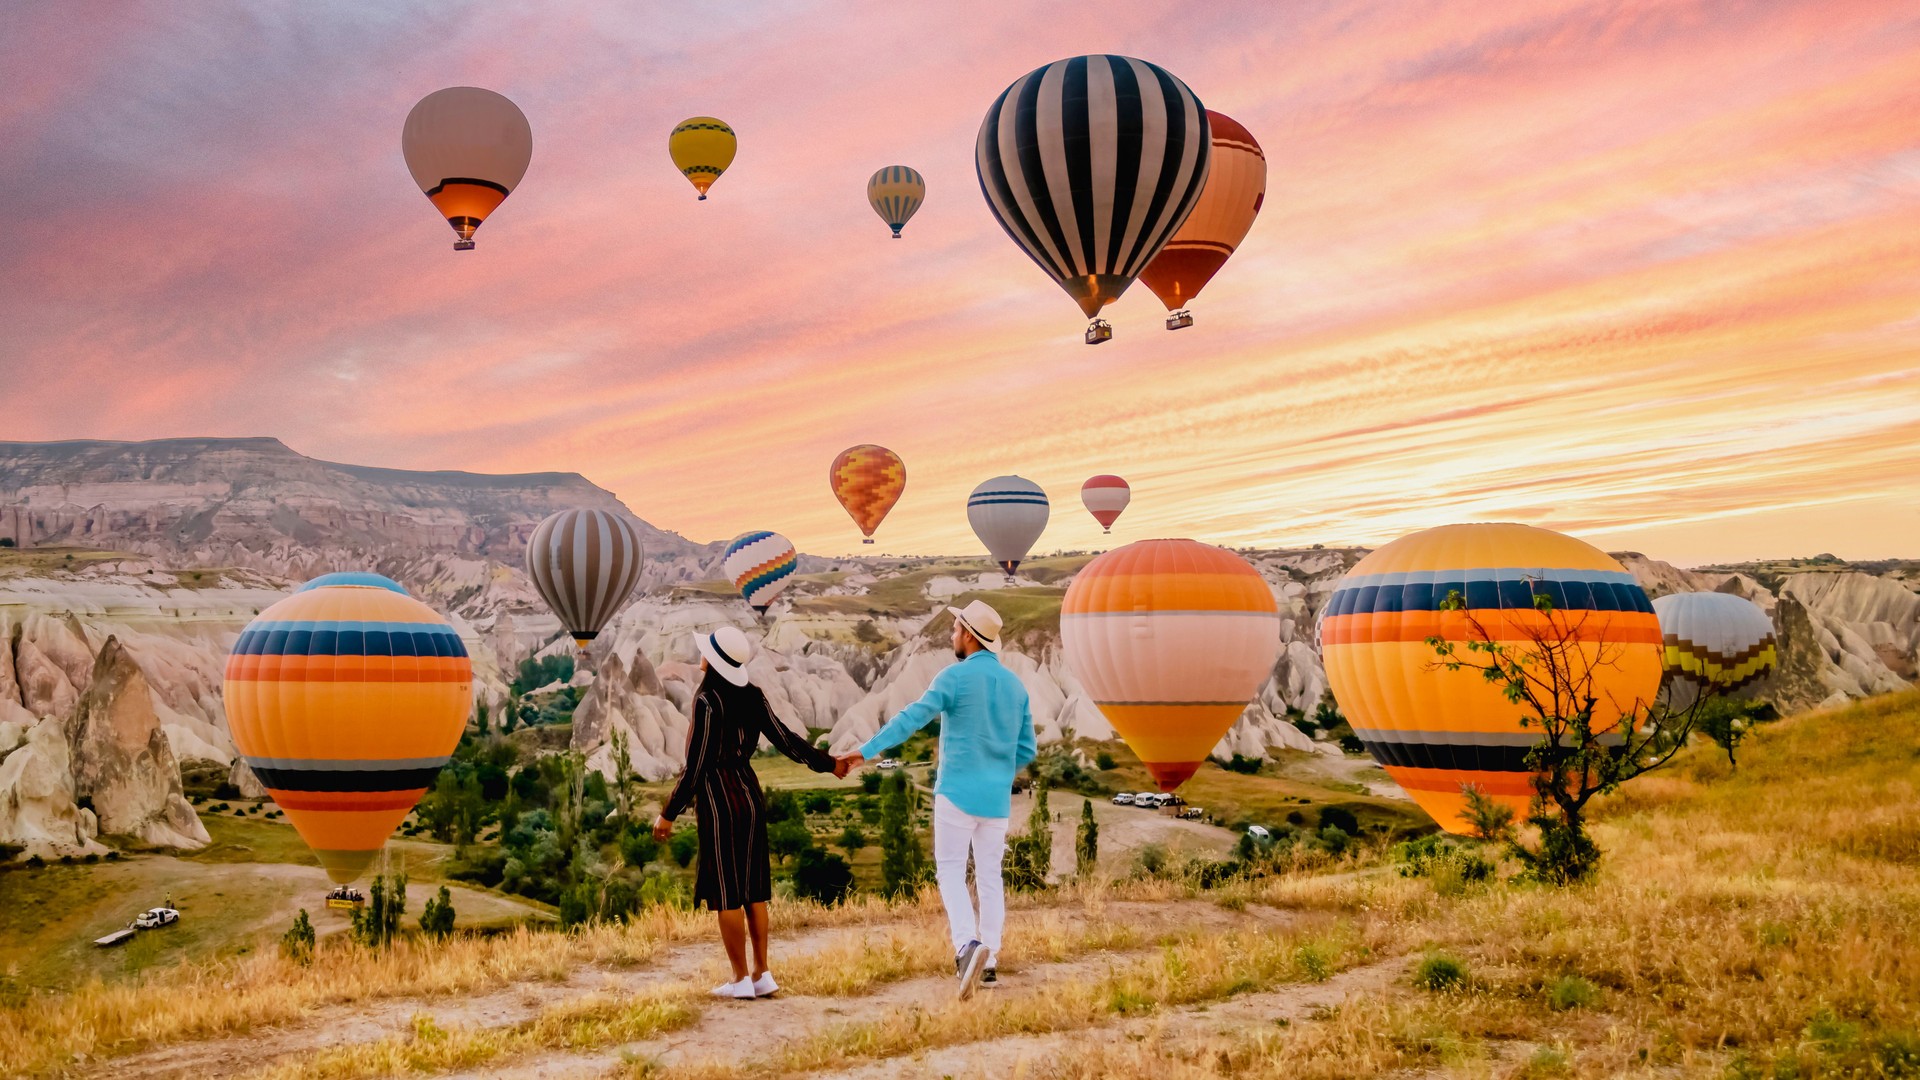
(345, 699)
(1171, 639)
(1435, 730)
(868, 480)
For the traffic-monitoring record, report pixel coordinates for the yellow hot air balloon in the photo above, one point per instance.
(1236, 186)
(468, 149)
(1435, 730)
(1715, 640)
(868, 480)
(345, 699)
(1171, 638)
(895, 193)
(702, 148)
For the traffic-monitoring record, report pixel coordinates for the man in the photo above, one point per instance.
(985, 737)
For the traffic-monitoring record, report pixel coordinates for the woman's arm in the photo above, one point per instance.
(700, 751)
(790, 742)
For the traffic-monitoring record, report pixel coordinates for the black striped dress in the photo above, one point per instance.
(720, 785)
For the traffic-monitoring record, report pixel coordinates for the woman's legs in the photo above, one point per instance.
(757, 925)
(733, 935)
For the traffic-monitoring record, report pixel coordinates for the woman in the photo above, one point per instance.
(733, 878)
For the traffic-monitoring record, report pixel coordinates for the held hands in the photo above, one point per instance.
(847, 763)
(662, 829)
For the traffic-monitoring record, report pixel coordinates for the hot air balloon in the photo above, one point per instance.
(1236, 186)
(1171, 639)
(1435, 730)
(702, 148)
(760, 564)
(868, 480)
(1715, 640)
(895, 193)
(345, 699)
(585, 563)
(467, 148)
(1105, 497)
(1091, 165)
(1008, 513)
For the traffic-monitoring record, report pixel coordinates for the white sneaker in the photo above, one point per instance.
(741, 990)
(764, 986)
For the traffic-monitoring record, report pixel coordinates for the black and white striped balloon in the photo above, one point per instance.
(1091, 165)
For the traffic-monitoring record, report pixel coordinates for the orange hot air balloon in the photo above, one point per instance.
(1236, 186)
(1435, 730)
(1171, 638)
(467, 148)
(868, 480)
(345, 699)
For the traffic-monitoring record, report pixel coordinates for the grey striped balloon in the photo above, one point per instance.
(1091, 165)
(585, 564)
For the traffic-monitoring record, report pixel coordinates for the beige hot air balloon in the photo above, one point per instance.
(1236, 187)
(467, 148)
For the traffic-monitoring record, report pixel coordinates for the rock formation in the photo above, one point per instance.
(122, 761)
(39, 811)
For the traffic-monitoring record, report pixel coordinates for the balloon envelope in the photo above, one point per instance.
(1236, 187)
(868, 480)
(585, 563)
(345, 699)
(467, 148)
(760, 564)
(701, 148)
(1434, 730)
(1008, 513)
(1105, 497)
(1171, 638)
(1090, 165)
(1715, 639)
(895, 193)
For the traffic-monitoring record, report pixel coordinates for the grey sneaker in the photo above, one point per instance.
(968, 966)
(989, 978)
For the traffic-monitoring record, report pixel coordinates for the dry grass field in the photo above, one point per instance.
(1751, 924)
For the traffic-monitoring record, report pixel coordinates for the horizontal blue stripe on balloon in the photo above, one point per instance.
(1028, 501)
(319, 639)
(1569, 590)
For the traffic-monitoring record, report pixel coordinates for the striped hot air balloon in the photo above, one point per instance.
(1091, 165)
(760, 564)
(895, 193)
(585, 563)
(1105, 497)
(1435, 730)
(1008, 514)
(1236, 186)
(868, 480)
(1715, 639)
(468, 149)
(701, 148)
(345, 699)
(1171, 638)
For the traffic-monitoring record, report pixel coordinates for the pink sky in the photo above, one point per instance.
(1646, 272)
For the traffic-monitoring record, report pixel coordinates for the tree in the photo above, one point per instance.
(1727, 721)
(1489, 820)
(1103, 760)
(297, 942)
(870, 781)
(622, 774)
(821, 876)
(378, 923)
(1086, 848)
(1551, 675)
(903, 860)
(436, 919)
(480, 718)
(788, 838)
(1029, 860)
(852, 839)
(819, 802)
(685, 843)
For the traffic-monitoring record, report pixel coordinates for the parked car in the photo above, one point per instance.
(888, 763)
(1123, 799)
(1191, 813)
(1258, 832)
(153, 918)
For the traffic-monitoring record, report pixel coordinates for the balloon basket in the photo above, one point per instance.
(463, 245)
(1180, 320)
(1099, 330)
(702, 198)
(868, 540)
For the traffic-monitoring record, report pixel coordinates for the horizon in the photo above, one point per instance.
(1640, 278)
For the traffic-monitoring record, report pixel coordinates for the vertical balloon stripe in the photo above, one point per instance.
(585, 564)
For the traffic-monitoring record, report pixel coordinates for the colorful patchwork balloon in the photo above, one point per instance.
(345, 699)
(1172, 639)
(1715, 639)
(1436, 730)
(760, 564)
(1105, 497)
(868, 480)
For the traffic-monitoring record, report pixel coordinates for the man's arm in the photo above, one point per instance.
(913, 717)
(1024, 752)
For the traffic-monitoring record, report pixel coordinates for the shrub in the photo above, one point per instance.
(637, 846)
(821, 876)
(1440, 972)
(482, 865)
(297, 942)
(870, 783)
(1334, 839)
(1340, 818)
(819, 802)
(685, 844)
(1351, 744)
(1151, 859)
(1242, 764)
(436, 918)
(1489, 820)
(782, 806)
(1103, 760)
(786, 839)
(1571, 992)
(852, 839)
(1314, 963)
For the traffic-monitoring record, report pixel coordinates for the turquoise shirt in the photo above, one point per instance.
(986, 736)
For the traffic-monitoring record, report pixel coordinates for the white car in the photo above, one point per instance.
(1258, 832)
(154, 918)
(887, 763)
(1162, 799)
(1123, 799)
(1144, 798)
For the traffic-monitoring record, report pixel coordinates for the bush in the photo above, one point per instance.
(821, 876)
(1440, 972)
(1340, 818)
(1571, 992)
(436, 918)
(786, 839)
(1242, 764)
(685, 844)
(1104, 760)
(782, 806)
(225, 790)
(637, 846)
(297, 942)
(1314, 963)
(1334, 839)
(852, 839)
(870, 783)
(1351, 744)
(481, 865)
(1151, 860)
(819, 802)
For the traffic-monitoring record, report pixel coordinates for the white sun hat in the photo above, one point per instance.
(727, 651)
(984, 622)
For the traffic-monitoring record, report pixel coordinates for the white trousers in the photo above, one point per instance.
(955, 832)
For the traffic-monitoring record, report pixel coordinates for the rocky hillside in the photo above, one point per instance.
(134, 566)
